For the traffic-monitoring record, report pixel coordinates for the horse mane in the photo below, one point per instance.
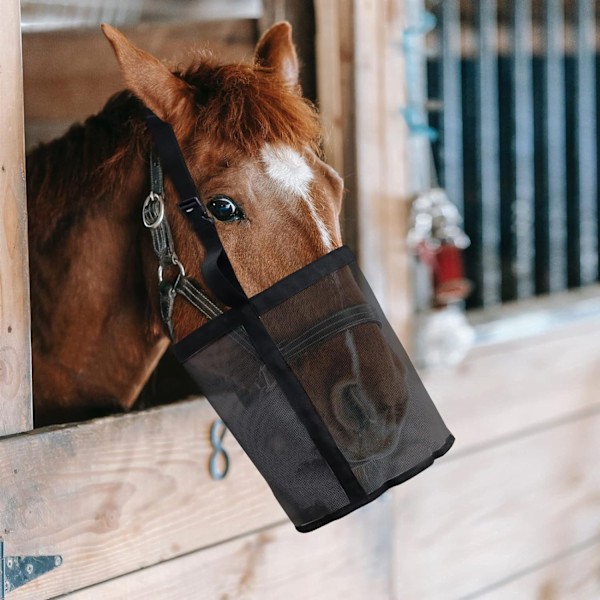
(247, 105)
(64, 175)
(240, 104)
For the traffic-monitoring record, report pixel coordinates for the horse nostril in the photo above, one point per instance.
(352, 408)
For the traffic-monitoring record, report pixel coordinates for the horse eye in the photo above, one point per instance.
(225, 209)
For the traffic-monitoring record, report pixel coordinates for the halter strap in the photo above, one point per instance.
(155, 220)
(216, 267)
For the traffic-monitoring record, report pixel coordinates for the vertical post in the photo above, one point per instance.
(555, 153)
(361, 94)
(489, 175)
(523, 149)
(382, 154)
(335, 85)
(586, 133)
(15, 351)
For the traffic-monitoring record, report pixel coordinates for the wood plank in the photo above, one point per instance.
(565, 578)
(335, 87)
(15, 351)
(468, 523)
(510, 387)
(121, 493)
(347, 559)
(383, 185)
(70, 75)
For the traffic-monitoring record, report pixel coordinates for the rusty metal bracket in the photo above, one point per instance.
(16, 571)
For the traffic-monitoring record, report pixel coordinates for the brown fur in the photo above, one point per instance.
(96, 333)
(96, 330)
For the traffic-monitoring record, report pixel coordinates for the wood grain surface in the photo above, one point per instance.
(347, 559)
(121, 493)
(480, 519)
(15, 354)
(70, 75)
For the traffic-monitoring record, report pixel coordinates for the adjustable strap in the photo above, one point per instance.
(216, 268)
(192, 292)
(153, 215)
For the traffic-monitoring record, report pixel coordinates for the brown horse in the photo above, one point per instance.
(247, 134)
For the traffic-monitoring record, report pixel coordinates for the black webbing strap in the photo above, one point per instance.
(216, 268)
(271, 355)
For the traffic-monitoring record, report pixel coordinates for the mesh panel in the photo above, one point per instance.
(256, 411)
(360, 381)
(363, 392)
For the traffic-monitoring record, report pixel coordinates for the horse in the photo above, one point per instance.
(252, 144)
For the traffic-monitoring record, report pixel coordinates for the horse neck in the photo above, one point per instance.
(96, 336)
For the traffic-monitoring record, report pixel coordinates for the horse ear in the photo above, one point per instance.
(147, 77)
(275, 50)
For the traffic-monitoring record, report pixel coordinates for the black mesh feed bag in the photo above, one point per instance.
(308, 375)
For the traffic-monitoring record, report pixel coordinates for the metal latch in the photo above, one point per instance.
(16, 571)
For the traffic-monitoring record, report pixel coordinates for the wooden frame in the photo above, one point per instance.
(361, 67)
(15, 354)
(128, 501)
(115, 495)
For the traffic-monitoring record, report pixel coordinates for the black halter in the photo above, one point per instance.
(154, 219)
(216, 268)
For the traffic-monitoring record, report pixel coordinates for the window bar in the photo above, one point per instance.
(489, 155)
(587, 177)
(523, 148)
(452, 141)
(555, 154)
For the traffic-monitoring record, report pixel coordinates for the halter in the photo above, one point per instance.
(154, 219)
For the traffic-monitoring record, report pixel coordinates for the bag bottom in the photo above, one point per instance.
(342, 512)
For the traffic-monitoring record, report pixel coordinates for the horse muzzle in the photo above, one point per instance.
(317, 389)
(308, 375)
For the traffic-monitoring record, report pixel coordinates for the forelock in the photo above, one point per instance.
(248, 106)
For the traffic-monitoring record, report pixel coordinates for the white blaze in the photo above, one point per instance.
(290, 172)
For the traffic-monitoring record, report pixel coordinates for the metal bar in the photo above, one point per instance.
(586, 132)
(523, 148)
(472, 199)
(452, 140)
(489, 187)
(555, 148)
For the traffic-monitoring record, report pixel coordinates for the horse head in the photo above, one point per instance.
(251, 143)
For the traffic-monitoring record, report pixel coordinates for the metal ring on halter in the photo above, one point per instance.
(176, 263)
(150, 199)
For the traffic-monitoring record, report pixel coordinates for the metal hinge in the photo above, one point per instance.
(16, 571)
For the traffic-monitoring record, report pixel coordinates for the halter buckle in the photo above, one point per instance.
(153, 210)
(175, 263)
